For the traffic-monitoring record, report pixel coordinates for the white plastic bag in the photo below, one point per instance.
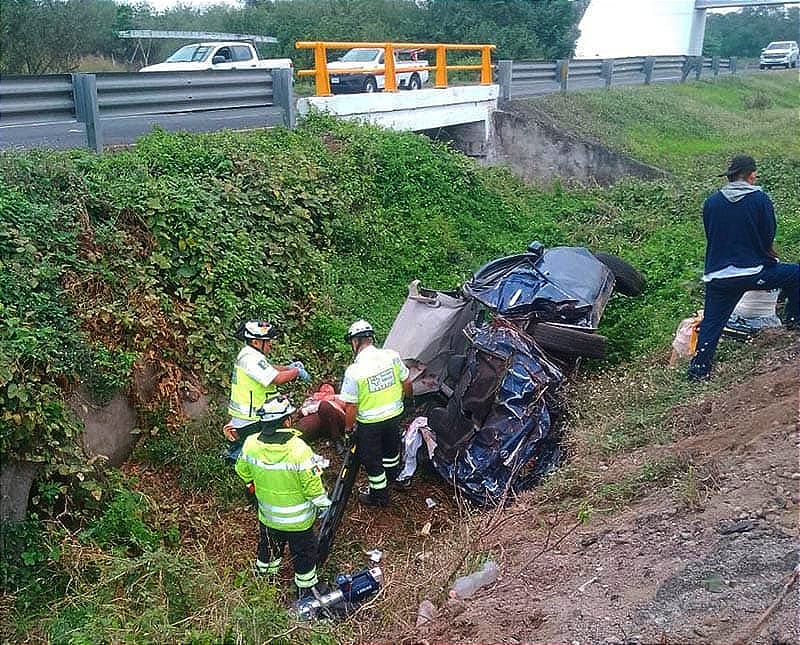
(684, 344)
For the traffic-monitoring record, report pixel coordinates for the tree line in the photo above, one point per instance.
(47, 36)
(746, 33)
(50, 36)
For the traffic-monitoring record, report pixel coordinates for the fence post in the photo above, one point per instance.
(504, 70)
(715, 65)
(84, 87)
(77, 98)
(562, 72)
(733, 64)
(687, 68)
(608, 71)
(323, 81)
(283, 95)
(698, 67)
(649, 66)
(440, 79)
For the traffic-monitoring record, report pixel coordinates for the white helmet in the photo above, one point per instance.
(256, 330)
(359, 329)
(274, 409)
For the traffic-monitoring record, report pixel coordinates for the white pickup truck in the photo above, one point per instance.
(217, 55)
(410, 72)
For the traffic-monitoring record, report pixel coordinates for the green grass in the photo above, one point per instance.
(693, 127)
(149, 256)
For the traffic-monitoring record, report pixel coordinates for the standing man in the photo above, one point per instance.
(372, 390)
(253, 380)
(285, 475)
(739, 221)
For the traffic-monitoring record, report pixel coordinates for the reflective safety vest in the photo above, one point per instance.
(247, 393)
(379, 375)
(287, 478)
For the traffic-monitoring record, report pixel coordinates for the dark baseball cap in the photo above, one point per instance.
(739, 165)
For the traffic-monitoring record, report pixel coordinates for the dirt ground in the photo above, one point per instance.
(715, 564)
(707, 560)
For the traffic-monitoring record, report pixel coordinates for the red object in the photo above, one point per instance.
(251, 488)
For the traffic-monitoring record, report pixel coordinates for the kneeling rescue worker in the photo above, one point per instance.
(372, 390)
(286, 477)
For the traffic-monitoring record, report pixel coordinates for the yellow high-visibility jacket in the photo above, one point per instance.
(287, 478)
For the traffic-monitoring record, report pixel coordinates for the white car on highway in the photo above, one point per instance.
(781, 53)
(352, 72)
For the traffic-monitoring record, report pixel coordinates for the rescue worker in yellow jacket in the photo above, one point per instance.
(372, 390)
(285, 475)
(253, 381)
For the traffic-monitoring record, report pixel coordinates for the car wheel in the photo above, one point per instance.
(627, 280)
(414, 83)
(569, 342)
(370, 84)
(761, 66)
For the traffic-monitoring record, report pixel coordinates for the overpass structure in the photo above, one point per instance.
(623, 28)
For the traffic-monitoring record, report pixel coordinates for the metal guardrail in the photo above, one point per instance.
(172, 92)
(90, 98)
(528, 78)
(30, 99)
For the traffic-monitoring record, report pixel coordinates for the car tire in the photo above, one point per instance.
(762, 67)
(370, 85)
(627, 280)
(414, 83)
(566, 341)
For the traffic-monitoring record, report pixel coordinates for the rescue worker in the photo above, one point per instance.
(253, 381)
(285, 476)
(373, 390)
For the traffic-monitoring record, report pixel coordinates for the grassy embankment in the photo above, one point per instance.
(143, 260)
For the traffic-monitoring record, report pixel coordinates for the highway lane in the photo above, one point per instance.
(126, 129)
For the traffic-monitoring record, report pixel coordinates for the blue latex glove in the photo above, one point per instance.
(302, 374)
(298, 364)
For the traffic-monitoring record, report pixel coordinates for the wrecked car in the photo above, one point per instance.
(491, 357)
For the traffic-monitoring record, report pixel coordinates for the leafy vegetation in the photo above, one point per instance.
(746, 32)
(65, 35)
(54, 35)
(141, 262)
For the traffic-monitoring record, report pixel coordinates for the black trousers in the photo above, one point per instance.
(720, 301)
(302, 547)
(379, 451)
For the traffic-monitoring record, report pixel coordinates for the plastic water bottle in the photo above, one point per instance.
(465, 586)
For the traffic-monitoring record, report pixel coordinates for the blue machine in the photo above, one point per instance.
(352, 590)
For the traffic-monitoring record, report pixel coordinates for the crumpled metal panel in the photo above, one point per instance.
(512, 446)
(564, 284)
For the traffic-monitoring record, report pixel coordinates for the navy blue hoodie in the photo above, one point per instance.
(739, 220)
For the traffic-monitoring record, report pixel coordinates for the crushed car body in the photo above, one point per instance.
(491, 358)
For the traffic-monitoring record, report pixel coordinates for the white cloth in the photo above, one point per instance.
(731, 271)
(417, 432)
